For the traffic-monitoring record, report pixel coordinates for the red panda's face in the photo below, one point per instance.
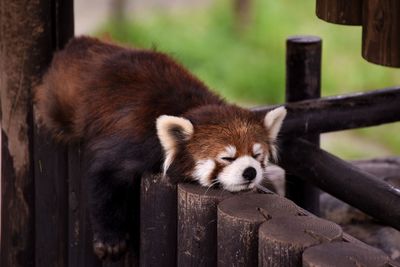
(232, 154)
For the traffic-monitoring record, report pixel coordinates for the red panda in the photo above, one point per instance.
(139, 111)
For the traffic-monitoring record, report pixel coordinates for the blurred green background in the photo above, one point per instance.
(244, 59)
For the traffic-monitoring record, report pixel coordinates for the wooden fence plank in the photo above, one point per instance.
(197, 224)
(80, 253)
(239, 218)
(282, 240)
(51, 204)
(158, 220)
(344, 255)
(50, 159)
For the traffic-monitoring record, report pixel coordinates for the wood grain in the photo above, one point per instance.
(381, 32)
(239, 218)
(345, 12)
(282, 240)
(197, 224)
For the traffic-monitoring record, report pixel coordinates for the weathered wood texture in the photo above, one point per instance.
(197, 224)
(381, 32)
(344, 181)
(80, 252)
(239, 218)
(346, 12)
(344, 255)
(25, 50)
(282, 240)
(303, 82)
(337, 113)
(50, 159)
(158, 220)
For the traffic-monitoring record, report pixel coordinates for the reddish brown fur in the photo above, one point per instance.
(99, 88)
(111, 96)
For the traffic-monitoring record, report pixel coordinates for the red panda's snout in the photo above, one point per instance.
(233, 155)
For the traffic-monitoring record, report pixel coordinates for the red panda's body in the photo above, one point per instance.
(139, 109)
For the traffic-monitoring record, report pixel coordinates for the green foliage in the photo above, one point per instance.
(249, 66)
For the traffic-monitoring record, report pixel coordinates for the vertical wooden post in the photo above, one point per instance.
(50, 159)
(197, 224)
(345, 255)
(239, 218)
(381, 32)
(25, 51)
(282, 240)
(158, 219)
(303, 81)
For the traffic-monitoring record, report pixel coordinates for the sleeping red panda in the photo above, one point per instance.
(139, 111)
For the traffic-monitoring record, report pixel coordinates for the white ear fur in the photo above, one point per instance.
(171, 130)
(273, 121)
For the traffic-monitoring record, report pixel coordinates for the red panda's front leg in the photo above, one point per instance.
(112, 175)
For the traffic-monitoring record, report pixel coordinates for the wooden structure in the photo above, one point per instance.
(44, 213)
(380, 22)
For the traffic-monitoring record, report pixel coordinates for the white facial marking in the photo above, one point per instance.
(203, 170)
(231, 177)
(167, 139)
(229, 152)
(258, 151)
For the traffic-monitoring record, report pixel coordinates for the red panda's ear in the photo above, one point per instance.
(273, 121)
(172, 131)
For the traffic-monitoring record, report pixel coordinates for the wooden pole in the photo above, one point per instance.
(282, 240)
(158, 220)
(303, 81)
(344, 181)
(197, 224)
(239, 218)
(25, 50)
(339, 112)
(346, 12)
(344, 255)
(50, 161)
(381, 32)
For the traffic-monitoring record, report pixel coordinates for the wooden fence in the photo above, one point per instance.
(44, 213)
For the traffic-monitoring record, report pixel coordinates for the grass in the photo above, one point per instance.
(249, 67)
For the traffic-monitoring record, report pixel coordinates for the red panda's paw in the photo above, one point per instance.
(110, 248)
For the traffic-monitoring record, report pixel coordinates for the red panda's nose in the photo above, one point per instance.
(249, 173)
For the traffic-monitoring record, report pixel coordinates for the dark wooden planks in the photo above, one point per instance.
(239, 219)
(158, 220)
(197, 224)
(346, 12)
(282, 240)
(50, 160)
(344, 255)
(381, 32)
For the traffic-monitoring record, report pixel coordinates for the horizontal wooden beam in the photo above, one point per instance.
(342, 180)
(340, 112)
